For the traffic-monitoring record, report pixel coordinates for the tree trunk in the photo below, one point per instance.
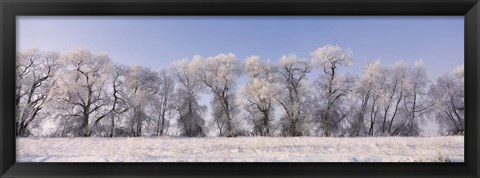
(22, 130)
(227, 113)
(266, 131)
(395, 112)
(112, 127)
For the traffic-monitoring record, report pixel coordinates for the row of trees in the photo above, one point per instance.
(86, 94)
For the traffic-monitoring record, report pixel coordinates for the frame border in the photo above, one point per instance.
(9, 9)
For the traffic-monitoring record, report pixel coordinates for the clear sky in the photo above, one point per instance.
(157, 41)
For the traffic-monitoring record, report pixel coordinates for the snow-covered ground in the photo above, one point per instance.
(245, 149)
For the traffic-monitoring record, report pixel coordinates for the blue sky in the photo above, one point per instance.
(157, 41)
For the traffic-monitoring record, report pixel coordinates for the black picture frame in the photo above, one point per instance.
(9, 9)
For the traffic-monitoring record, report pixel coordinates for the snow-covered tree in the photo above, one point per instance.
(258, 95)
(293, 94)
(459, 72)
(34, 81)
(87, 95)
(118, 103)
(449, 97)
(415, 102)
(141, 86)
(165, 101)
(460, 79)
(332, 87)
(82, 90)
(219, 74)
(371, 89)
(190, 122)
(395, 93)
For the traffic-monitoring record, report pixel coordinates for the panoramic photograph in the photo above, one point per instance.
(240, 89)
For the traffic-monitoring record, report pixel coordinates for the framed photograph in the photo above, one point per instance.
(239, 89)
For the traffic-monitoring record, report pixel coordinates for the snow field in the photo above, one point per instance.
(242, 149)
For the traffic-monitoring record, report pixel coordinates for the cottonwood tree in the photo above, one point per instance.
(219, 74)
(82, 90)
(448, 97)
(141, 86)
(377, 77)
(293, 94)
(35, 72)
(389, 85)
(460, 79)
(258, 95)
(393, 93)
(414, 100)
(91, 96)
(332, 87)
(165, 100)
(118, 103)
(370, 90)
(190, 112)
